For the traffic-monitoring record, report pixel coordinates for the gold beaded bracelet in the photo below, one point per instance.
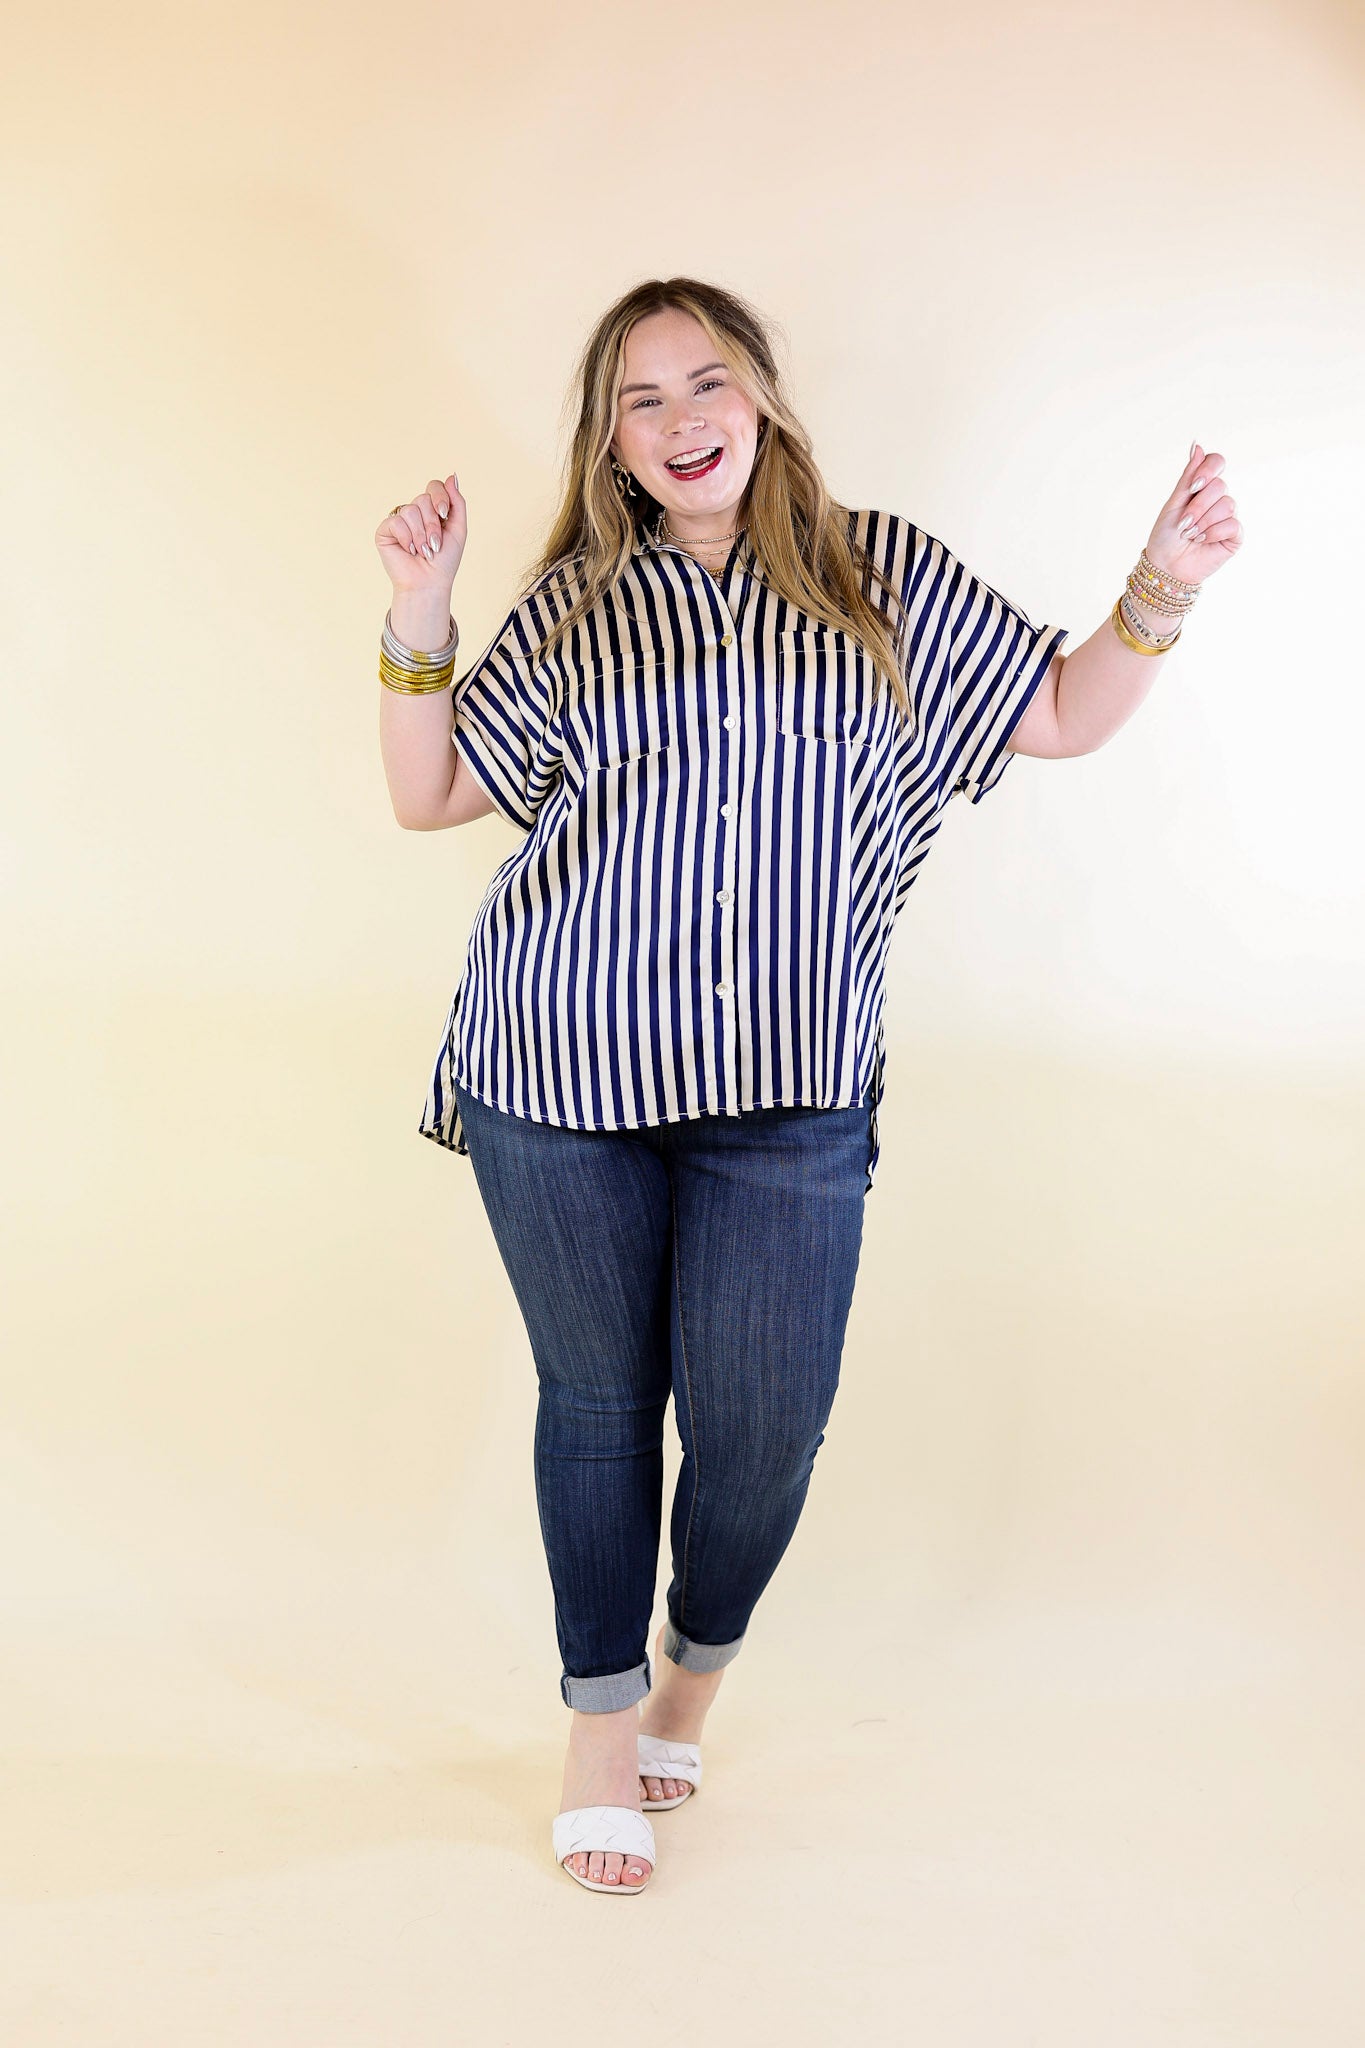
(1160, 590)
(1171, 597)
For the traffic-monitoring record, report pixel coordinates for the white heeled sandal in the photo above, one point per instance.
(660, 1759)
(622, 1830)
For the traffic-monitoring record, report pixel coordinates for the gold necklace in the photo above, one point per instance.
(710, 542)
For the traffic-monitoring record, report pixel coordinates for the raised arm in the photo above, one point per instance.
(420, 545)
(1088, 694)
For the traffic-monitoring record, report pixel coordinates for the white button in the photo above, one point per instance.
(722, 895)
(725, 810)
(723, 988)
(732, 720)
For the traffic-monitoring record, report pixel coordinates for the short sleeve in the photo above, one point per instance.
(503, 727)
(995, 659)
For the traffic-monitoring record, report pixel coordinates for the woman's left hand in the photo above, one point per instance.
(1195, 532)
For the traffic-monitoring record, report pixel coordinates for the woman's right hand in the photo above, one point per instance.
(421, 543)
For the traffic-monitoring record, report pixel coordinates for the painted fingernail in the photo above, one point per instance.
(1190, 456)
(436, 543)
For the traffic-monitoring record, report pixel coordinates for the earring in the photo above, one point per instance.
(623, 480)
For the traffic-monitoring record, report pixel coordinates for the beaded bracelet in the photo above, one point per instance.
(1171, 597)
(1160, 590)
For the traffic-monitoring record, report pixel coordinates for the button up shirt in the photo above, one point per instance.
(722, 821)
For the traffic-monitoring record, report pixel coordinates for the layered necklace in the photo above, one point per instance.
(711, 541)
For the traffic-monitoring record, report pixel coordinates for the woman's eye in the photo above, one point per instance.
(654, 401)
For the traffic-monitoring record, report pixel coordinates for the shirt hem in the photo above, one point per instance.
(682, 1117)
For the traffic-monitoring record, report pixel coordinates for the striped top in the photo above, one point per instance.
(723, 820)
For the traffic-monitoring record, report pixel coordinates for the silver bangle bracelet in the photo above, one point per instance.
(415, 660)
(1139, 625)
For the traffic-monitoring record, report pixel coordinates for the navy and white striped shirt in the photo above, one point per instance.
(722, 825)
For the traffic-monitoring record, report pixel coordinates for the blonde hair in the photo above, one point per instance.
(798, 533)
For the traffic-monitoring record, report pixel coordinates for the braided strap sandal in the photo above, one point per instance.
(660, 1759)
(621, 1830)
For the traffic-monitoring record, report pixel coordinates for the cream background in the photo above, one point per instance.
(1049, 1725)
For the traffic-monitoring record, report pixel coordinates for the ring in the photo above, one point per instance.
(397, 508)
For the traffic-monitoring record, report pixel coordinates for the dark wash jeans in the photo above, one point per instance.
(712, 1259)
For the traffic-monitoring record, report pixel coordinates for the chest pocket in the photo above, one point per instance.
(825, 684)
(624, 712)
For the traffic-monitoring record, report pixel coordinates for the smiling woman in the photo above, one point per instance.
(684, 429)
(728, 714)
(655, 424)
(678, 369)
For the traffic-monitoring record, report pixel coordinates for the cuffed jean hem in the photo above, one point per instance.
(698, 1656)
(606, 1695)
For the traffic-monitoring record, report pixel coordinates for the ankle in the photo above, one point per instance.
(678, 1708)
(603, 1731)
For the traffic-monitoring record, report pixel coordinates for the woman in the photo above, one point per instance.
(728, 713)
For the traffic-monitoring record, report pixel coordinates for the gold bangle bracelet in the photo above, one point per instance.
(1130, 640)
(401, 669)
(414, 674)
(405, 667)
(405, 687)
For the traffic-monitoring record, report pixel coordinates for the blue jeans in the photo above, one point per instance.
(712, 1259)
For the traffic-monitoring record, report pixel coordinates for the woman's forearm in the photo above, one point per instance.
(414, 732)
(1103, 681)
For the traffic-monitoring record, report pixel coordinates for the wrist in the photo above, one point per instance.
(420, 619)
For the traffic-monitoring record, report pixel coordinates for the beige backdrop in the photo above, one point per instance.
(1048, 1729)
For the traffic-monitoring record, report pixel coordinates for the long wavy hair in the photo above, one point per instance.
(799, 534)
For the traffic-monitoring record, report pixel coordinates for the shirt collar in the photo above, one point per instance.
(653, 538)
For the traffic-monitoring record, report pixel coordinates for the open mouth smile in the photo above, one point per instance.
(697, 462)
